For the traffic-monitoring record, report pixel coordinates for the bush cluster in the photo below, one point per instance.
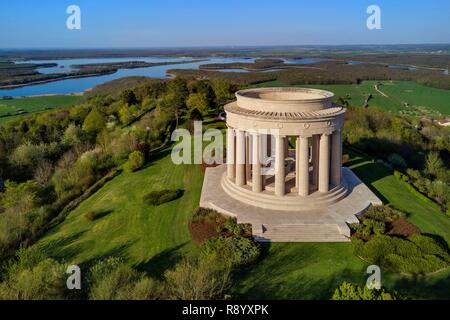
(157, 198)
(374, 221)
(232, 251)
(350, 291)
(236, 229)
(92, 215)
(136, 160)
(416, 255)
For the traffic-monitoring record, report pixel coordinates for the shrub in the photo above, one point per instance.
(111, 279)
(397, 161)
(382, 213)
(368, 227)
(136, 160)
(237, 229)
(92, 215)
(205, 224)
(417, 255)
(349, 291)
(430, 247)
(157, 198)
(201, 279)
(94, 122)
(232, 251)
(205, 214)
(33, 277)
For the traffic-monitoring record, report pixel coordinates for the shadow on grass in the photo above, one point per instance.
(101, 214)
(158, 155)
(427, 287)
(63, 248)
(117, 252)
(163, 261)
(286, 273)
(370, 173)
(354, 162)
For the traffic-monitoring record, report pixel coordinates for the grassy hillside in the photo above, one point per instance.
(151, 238)
(313, 271)
(397, 93)
(12, 109)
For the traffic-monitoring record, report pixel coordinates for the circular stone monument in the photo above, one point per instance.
(284, 170)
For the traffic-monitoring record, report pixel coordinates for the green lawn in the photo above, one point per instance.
(13, 109)
(396, 193)
(313, 271)
(152, 238)
(397, 92)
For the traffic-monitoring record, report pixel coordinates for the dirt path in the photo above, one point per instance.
(380, 92)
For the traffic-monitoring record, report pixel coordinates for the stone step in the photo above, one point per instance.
(300, 233)
(290, 202)
(270, 238)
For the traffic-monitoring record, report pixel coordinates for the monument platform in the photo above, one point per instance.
(303, 222)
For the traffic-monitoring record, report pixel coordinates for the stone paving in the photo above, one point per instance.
(327, 224)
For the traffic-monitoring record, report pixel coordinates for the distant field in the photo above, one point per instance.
(397, 94)
(12, 109)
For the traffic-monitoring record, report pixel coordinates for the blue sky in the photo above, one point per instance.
(173, 23)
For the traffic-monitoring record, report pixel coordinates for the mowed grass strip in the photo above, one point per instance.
(149, 237)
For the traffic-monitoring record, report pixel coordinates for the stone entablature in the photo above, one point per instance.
(309, 116)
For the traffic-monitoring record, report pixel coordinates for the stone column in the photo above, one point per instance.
(257, 178)
(297, 163)
(336, 157)
(269, 145)
(324, 163)
(303, 174)
(240, 157)
(279, 166)
(248, 157)
(231, 168)
(286, 146)
(315, 159)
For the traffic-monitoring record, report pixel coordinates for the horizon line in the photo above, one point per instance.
(227, 46)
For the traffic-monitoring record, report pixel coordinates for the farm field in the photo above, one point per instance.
(15, 108)
(396, 94)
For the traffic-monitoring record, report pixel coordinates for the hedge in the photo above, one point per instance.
(157, 198)
(418, 254)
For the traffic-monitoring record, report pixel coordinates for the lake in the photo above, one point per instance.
(82, 84)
